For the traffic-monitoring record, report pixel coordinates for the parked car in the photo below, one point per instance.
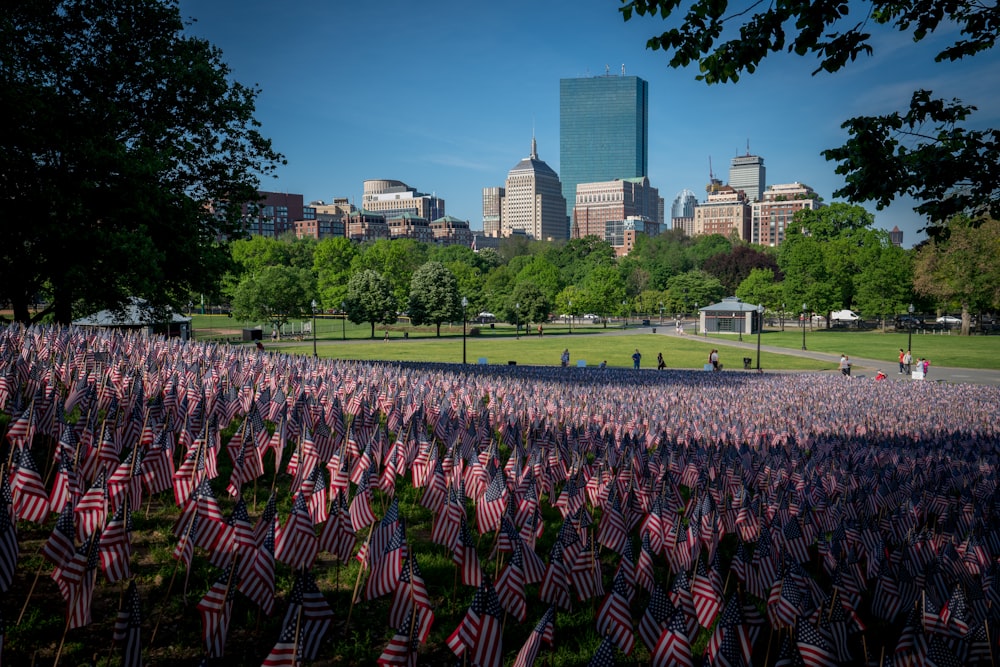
(908, 322)
(949, 321)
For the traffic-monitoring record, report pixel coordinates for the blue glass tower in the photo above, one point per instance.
(603, 131)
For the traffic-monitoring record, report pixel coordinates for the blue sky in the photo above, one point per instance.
(446, 95)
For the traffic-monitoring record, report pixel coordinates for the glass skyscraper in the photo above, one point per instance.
(603, 131)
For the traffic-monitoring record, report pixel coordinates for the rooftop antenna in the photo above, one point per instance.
(623, 69)
(607, 70)
(711, 176)
(748, 146)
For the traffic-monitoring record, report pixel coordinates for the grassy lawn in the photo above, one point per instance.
(344, 340)
(941, 349)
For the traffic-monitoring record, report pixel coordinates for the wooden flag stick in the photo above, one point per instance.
(361, 569)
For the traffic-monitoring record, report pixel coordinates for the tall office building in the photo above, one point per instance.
(682, 212)
(746, 173)
(603, 131)
(492, 208)
(533, 203)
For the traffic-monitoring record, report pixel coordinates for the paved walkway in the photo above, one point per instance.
(861, 367)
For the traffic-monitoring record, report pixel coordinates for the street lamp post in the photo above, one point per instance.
(782, 317)
(661, 313)
(803, 326)
(465, 302)
(343, 321)
(909, 337)
(625, 315)
(517, 320)
(314, 328)
(697, 317)
(760, 325)
(742, 321)
(571, 316)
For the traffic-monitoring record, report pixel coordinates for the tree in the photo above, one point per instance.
(691, 287)
(395, 260)
(370, 299)
(732, 267)
(760, 287)
(883, 284)
(960, 269)
(273, 294)
(542, 274)
(332, 262)
(526, 304)
(603, 290)
(126, 153)
(922, 152)
(434, 296)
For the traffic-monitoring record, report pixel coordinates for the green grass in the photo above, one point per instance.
(941, 349)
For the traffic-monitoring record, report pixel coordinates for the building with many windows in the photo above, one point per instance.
(450, 230)
(621, 234)
(682, 212)
(395, 198)
(533, 203)
(618, 199)
(726, 212)
(365, 225)
(492, 210)
(771, 215)
(603, 131)
(409, 226)
(896, 236)
(274, 214)
(747, 173)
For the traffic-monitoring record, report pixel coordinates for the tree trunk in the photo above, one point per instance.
(966, 320)
(373, 329)
(438, 329)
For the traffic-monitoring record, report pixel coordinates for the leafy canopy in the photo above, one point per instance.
(123, 141)
(923, 152)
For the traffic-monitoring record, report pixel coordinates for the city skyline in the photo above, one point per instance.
(448, 98)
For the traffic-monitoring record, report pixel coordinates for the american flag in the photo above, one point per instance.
(387, 568)
(543, 631)
(654, 620)
(673, 648)
(116, 546)
(815, 649)
(76, 582)
(338, 536)
(479, 637)
(706, 592)
(257, 573)
(286, 651)
(466, 558)
(128, 625)
(491, 506)
(60, 546)
(614, 619)
(216, 610)
(31, 501)
(412, 591)
(555, 583)
(605, 654)
(402, 648)
(510, 586)
(298, 545)
(308, 608)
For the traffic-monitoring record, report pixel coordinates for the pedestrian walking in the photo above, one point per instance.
(636, 358)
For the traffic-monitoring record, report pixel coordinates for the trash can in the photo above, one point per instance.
(406, 334)
(654, 329)
(746, 363)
